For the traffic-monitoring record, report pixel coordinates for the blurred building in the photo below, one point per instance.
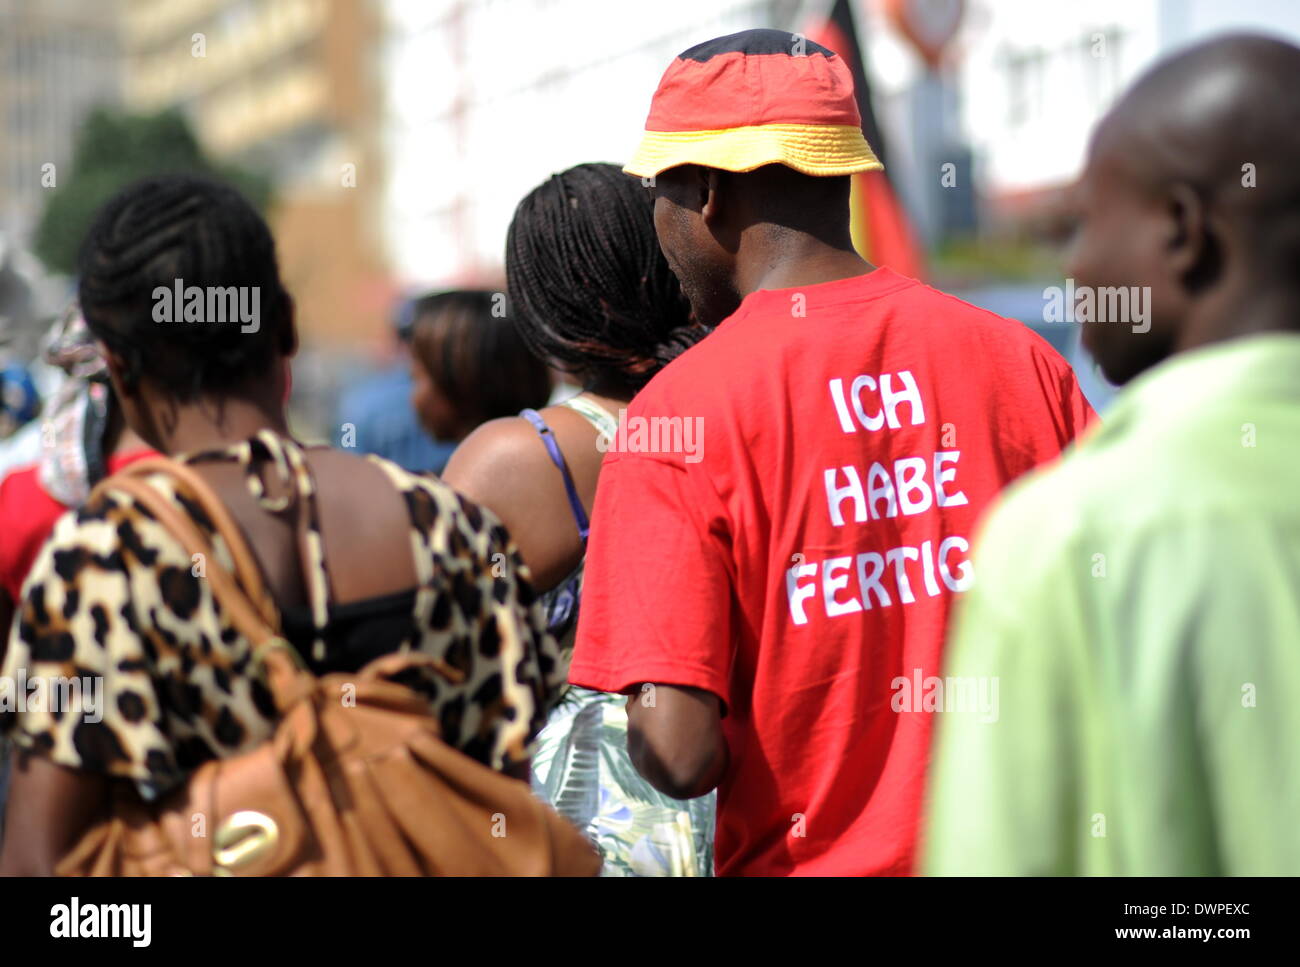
(58, 58)
(487, 98)
(1036, 77)
(288, 87)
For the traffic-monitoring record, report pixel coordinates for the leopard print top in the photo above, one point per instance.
(114, 601)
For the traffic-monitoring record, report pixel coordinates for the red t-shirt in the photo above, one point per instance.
(28, 515)
(798, 555)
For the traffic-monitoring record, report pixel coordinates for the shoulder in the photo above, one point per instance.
(24, 504)
(105, 567)
(111, 534)
(499, 463)
(17, 480)
(1047, 528)
(27, 513)
(1034, 525)
(437, 510)
(925, 305)
(505, 444)
(996, 333)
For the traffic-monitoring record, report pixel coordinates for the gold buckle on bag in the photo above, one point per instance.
(243, 838)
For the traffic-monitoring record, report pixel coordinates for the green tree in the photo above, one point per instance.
(113, 149)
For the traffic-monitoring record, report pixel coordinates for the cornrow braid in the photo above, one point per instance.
(188, 229)
(589, 287)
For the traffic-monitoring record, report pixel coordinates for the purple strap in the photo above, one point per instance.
(557, 458)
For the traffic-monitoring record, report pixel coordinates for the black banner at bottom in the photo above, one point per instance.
(220, 918)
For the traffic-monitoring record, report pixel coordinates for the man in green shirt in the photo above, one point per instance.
(1138, 604)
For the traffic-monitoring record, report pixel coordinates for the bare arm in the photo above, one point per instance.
(50, 807)
(499, 466)
(675, 740)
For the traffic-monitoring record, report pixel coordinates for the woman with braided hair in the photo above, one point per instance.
(361, 558)
(592, 295)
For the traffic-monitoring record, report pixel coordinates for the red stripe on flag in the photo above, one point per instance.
(888, 237)
(882, 232)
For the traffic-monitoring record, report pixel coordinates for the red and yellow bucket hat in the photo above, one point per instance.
(755, 98)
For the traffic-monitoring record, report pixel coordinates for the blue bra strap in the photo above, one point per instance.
(557, 458)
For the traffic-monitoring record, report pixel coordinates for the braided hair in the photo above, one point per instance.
(182, 228)
(590, 289)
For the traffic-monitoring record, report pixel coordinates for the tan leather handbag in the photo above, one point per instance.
(368, 788)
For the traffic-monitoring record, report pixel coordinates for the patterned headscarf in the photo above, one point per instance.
(72, 431)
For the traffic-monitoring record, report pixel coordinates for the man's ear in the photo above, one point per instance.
(711, 208)
(1193, 244)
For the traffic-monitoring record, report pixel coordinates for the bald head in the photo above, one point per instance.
(1201, 115)
(1192, 188)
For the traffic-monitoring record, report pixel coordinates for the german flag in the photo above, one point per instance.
(882, 232)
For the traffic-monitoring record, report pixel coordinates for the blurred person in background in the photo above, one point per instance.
(592, 295)
(1139, 602)
(469, 363)
(84, 438)
(375, 415)
(360, 557)
(19, 399)
(20, 402)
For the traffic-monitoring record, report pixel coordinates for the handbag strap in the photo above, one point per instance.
(284, 667)
(286, 460)
(194, 488)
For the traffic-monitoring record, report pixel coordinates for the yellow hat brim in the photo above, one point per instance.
(814, 149)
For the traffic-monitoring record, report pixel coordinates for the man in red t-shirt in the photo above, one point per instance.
(786, 513)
